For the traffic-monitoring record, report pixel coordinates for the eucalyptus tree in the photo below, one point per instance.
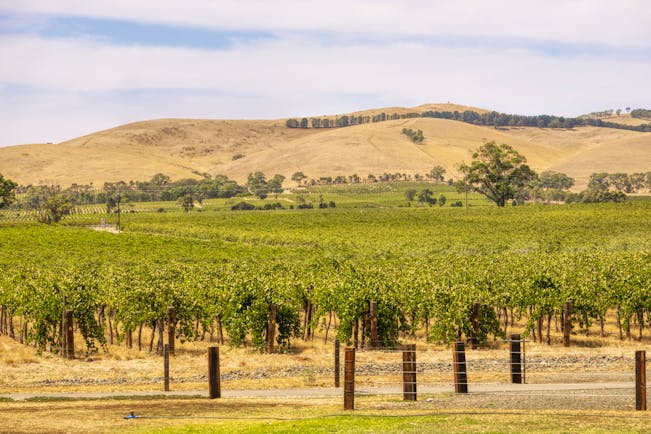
(498, 172)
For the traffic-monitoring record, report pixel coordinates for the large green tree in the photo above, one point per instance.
(7, 194)
(52, 203)
(437, 173)
(258, 185)
(275, 184)
(298, 177)
(555, 180)
(498, 172)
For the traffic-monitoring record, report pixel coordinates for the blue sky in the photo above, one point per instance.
(71, 67)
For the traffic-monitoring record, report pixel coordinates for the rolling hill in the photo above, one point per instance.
(183, 148)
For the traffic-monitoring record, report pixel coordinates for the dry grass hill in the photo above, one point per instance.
(184, 148)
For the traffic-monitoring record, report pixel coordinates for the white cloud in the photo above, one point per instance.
(327, 57)
(603, 22)
(301, 66)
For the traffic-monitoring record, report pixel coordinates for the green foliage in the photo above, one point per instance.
(415, 136)
(555, 180)
(243, 206)
(498, 172)
(552, 187)
(596, 196)
(298, 177)
(437, 173)
(275, 184)
(160, 179)
(599, 182)
(7, 193)
(420, 264)
(51, 203)
(641, 113)
(186, 202)
(426, 197)
(492, 118)
(257, 185)
(410, 194)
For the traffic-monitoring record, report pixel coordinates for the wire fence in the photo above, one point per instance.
(597, 381)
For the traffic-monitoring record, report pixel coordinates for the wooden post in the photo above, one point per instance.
(567, 324)
(70, 337)
(271, 328)
(307, 320)
(214, 386)
(516, 359)
(375, 341)
(459, 366)
(337, 367)
(356, 333)
(409, 372)
(171, 323)
(640, 380)
(64, 330)
(476, 311)
(349, 379)
(166, 367)
(128, 339)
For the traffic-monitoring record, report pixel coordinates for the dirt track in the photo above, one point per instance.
(577, 396)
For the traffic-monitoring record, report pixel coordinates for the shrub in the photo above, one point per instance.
(243, 206)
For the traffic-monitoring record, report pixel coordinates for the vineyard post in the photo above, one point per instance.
(459, 367)
(166, 367)
(307, 321)
(70, 337)
(476, 311)
(567, 324)
(271, 328)
(64, 330)
(118, 198)
(128, 338)
(409, 372)
(516, 359)
(640, 380)
(356, 333)
(337, 362)
(375, 342)
(171, 323)
(349, 379)
(214, 386)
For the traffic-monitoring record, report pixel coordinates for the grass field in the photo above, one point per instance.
(298, 416)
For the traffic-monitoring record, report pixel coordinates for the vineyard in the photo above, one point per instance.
(226, 273)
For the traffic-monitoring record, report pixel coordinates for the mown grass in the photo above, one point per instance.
(299, 416)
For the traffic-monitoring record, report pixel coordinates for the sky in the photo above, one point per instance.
(72, 67)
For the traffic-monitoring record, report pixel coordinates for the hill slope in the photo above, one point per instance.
(188, 148)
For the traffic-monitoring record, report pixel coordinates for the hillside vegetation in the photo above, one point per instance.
(184, 148)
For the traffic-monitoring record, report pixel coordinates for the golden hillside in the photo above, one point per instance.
(184, 148)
